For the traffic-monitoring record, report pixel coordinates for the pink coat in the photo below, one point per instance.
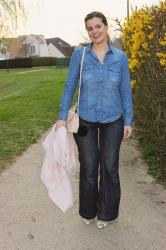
(58, 162)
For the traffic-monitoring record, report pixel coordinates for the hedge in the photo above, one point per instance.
(43, 61)
(34, 62)
(63, 62)
(16, 63)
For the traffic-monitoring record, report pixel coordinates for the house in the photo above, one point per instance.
(12, 48)
(3, 50)
(24, 46)
(34, 46)
(59, 48)
(3, 53)
(117, 43)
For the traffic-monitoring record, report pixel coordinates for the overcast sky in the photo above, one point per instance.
(65, 19)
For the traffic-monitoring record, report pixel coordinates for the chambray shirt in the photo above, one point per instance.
(105, 92)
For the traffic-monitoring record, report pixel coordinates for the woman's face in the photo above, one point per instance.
(97, 30)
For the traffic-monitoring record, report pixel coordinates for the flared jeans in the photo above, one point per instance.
(99, 182)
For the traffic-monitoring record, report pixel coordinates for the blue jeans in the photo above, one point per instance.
(99, 184)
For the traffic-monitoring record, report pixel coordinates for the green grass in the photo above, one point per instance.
(149, 154)
(29, 104)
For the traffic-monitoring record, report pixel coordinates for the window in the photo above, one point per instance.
(3, 51)
(32, 49)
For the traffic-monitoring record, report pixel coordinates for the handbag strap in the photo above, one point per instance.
(79, 89)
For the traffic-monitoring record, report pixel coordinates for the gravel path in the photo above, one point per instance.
(30, 221)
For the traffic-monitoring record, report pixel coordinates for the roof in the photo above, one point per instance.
(40, 38)
(65, 48)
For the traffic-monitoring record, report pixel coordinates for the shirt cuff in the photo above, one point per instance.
(62, 116)
(127, 122)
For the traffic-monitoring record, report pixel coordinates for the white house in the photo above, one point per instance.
(59, 48)
(3, 52)
(34, 46)
(3, 55)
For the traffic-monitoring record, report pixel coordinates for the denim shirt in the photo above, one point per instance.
(105, 92)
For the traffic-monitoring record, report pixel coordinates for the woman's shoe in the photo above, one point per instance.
(101, 224)
(88, 222)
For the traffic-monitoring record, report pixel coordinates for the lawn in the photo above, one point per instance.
(29, 104)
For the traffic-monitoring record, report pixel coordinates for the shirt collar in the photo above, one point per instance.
(89, 47)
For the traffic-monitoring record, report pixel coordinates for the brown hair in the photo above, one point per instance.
(99, 15)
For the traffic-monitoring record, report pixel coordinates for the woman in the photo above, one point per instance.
(105, 111)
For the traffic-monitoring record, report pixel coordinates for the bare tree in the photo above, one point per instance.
(11, 11)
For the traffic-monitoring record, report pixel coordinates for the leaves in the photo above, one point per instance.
(144, 40)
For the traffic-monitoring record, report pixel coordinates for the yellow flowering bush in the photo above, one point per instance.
(144, 41)
(137, 32)
(143, 36)
(162, 55)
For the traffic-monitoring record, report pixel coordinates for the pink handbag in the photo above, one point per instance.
(73, 116)
(72, 121)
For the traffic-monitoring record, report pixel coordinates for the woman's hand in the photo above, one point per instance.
(127, 132)
(61, 123)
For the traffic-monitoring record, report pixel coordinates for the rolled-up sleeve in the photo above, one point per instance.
(126, 93)
(70, 85)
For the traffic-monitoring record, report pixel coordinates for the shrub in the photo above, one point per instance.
(34, 62)
(16, 63)
(144, 38)
(63, 62)
(43, 61)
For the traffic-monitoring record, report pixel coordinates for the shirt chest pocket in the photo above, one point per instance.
(114, 72)
(88, 72)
